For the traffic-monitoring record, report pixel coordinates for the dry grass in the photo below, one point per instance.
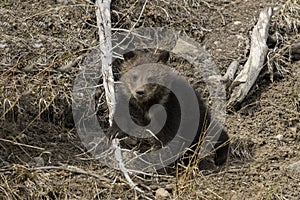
(41, 48)
(284, 30)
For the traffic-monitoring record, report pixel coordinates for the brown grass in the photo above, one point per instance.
(41, 48)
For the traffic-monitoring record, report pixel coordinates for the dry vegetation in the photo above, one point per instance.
(42, 45)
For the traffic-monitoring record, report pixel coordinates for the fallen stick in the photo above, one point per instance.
(76, 170)
(229, 76)
(258, 52)
(22, 145)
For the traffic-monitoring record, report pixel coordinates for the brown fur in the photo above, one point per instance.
(143, 96)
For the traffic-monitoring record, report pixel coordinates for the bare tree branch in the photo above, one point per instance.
(258, 52)
(104, 26)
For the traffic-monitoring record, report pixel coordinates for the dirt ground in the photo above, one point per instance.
(42, 45)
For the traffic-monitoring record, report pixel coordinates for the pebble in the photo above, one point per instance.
(279, 137)
(293, 129)
(38, 161)
(295, 166)
(37, 45)
(237, 23)
(161, 193)
(62, 1)
(2, 46)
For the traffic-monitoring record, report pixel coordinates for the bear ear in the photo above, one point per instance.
(164, 56)
(127, 56)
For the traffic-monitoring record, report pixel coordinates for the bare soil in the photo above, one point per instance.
(42, 45)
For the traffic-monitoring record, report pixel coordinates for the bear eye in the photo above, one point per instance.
(151, 79)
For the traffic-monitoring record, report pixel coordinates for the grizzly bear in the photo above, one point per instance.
(144, 85)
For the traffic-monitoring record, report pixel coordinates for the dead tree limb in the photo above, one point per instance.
(104, 26)
(258, 52)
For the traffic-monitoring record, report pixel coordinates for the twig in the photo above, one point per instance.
(74, 170)
(23, 145)
(230, 71)
(131, 29)
(118, 155)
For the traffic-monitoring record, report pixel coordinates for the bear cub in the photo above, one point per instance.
(143, 88)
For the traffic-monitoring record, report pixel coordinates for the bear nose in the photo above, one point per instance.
(140, 92)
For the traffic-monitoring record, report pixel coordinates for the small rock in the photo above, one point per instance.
(277, 8)
(237, 23)
(295, 166)
(217, 43)
(38, 161)
(37, 45)
(293, 129)
(279, 137)
(161, 193)
(2, 46)
(62, 1)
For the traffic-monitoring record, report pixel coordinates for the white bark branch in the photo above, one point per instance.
(229, 76)
(104, 26)
(258, 52)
